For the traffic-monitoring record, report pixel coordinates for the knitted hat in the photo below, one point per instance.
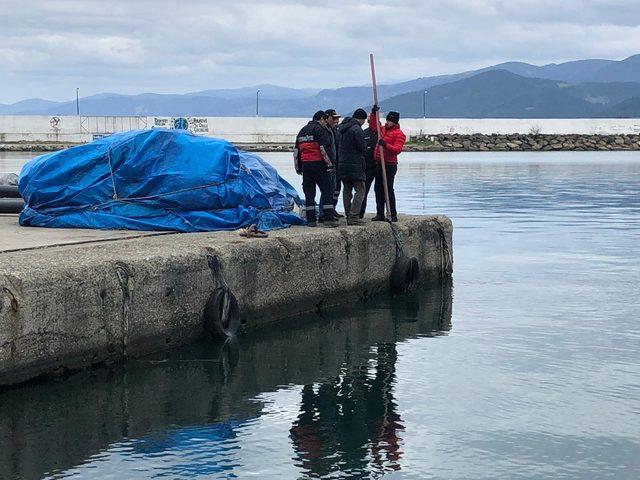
(393, 117)
(360, 114)
(319, 115)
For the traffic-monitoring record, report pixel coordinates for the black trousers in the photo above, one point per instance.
(337, 184)
(370, 172)
(314, 174)
(379, 189)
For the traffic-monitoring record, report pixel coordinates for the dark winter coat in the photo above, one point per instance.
(312, 144)
(352, 150)
(335, 144)
(370, 139)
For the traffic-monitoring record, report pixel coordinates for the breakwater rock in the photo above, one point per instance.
(521, 142)
(33, 147)
(437, 143)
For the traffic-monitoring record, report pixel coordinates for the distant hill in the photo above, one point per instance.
(629, 108)
(579, 71)
(267, 92)
(627, 70)
(567, 90)
(502, 94)
(35, 104)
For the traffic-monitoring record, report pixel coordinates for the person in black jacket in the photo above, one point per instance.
(314, 164)
(333, 118)
(370, 140)
(352, 165)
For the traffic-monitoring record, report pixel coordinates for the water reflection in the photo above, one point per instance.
(350, 424)
(191, 411)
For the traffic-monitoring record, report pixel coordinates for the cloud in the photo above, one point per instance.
(49, 48)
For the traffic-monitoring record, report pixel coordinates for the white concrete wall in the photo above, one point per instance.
(16, 128)
(584, 126)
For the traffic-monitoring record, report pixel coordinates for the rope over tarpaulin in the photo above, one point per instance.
(156, 179)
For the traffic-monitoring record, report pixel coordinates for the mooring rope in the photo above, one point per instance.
(398, 240)
(446, 260)
(213, 261)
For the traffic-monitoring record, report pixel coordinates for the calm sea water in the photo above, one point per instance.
(527, 367)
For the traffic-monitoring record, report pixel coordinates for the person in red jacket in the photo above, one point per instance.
(392, 141)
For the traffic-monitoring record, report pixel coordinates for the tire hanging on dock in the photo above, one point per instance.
(221, 316)
(405, 274)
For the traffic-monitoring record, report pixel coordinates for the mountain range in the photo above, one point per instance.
(582, 88)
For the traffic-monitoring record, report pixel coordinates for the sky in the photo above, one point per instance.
(49, 48)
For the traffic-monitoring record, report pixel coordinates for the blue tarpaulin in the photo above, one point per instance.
(155, 180)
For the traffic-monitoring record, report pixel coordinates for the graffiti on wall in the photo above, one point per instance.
(199, 125)
(55, 123)
(162, 122)
(192, 124)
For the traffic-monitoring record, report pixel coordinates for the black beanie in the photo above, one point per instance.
(360, 114)
(393, 117)
(319, 115)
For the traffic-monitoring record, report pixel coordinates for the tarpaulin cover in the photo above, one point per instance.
(155, 180)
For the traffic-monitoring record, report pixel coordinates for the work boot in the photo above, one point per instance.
(330, 223)
(355, 221)
(329, 218)
(312, 224)
(394, 218)
(378, 218)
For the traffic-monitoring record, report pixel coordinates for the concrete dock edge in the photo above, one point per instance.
(75, 306)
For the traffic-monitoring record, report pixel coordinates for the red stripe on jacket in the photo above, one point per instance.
(310, 152)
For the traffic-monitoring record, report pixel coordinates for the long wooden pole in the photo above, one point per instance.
(380, 148)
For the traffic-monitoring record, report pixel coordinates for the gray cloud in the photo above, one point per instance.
(50, 47)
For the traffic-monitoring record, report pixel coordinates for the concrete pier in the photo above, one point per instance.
(69, 304)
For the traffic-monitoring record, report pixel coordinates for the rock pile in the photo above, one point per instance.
(33, 147)
(439, 143)
(522, 142)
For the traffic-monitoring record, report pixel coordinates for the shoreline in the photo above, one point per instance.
(431, 143)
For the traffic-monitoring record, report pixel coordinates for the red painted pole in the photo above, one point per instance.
(380, 148)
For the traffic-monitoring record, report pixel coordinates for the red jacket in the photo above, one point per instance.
(395, 139)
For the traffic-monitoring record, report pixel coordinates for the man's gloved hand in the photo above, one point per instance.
(374, 109)
(382, 143)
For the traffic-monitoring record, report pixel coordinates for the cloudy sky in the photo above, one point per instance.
(50, 47)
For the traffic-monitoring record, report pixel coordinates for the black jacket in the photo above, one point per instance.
(352, 149)
(370, 139)
(312, 144)
(335, 144)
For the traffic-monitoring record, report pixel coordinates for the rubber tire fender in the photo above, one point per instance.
(11, 205)
(405, 274)
(9, 191)
(221, 316)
